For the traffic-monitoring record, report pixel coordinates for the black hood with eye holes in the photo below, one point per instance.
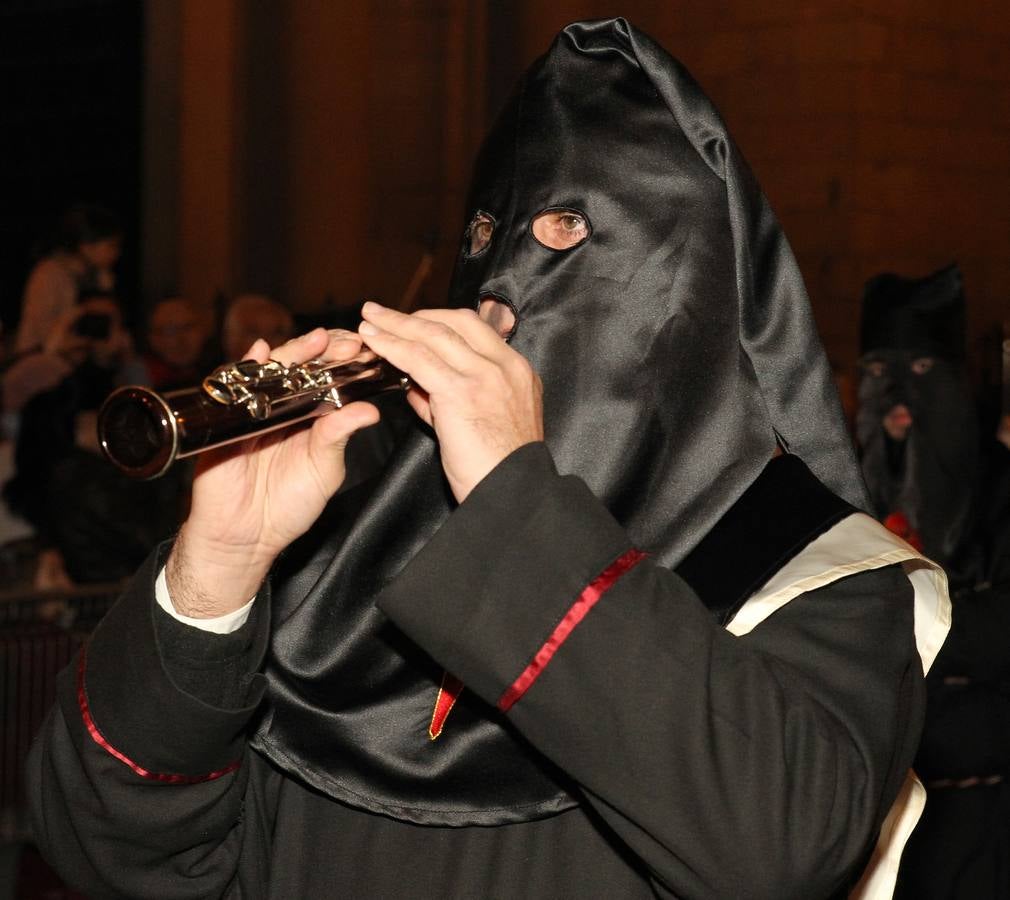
(682, 323)
(930, 477)
(674, 344)
(921, 315)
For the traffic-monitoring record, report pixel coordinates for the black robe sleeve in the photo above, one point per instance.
(756, 766)
(138, 781)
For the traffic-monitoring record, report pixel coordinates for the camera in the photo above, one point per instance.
(93, 325)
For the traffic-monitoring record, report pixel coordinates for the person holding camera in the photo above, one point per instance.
(82, 259)
(55, 393)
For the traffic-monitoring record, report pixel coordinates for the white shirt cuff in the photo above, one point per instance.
(225, 624)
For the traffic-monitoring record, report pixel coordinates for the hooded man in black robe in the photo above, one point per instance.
(916, 423)
(919, 435)
(592, 634)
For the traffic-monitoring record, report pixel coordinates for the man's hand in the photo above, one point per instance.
(251, 500)
(482, 397)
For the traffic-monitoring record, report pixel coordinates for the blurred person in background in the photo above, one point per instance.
(88, 338)
(917, 426)
(17, 547)
(918, 430)
(252, 316)
(177, 337)
(56, 391)
(83, 256)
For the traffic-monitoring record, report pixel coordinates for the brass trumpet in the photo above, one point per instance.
(143, 432)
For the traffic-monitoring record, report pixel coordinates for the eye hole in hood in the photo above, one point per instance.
(560, 228)
(874, 368)
(478, 234)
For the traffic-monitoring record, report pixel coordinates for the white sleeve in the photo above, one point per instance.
(225, 624)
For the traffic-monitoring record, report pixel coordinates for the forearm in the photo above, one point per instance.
(146, 750)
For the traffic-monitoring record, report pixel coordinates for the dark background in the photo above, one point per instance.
(318, 150)
(71, 76)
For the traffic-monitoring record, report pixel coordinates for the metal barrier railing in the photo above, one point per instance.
(39, 635)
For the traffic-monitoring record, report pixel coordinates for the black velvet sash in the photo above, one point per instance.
(777, 516)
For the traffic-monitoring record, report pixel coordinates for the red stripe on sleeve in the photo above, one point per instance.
(99, 738)
(585, 602)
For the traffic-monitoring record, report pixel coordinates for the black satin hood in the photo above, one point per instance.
(921, 315)
(674, 344)
(677, 340)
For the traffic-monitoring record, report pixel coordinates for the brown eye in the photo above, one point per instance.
(875, 368)
(922, 365)
(560, 229)
(479, 233)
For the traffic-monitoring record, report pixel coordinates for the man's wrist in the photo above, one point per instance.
(226, 624)
(206, 579)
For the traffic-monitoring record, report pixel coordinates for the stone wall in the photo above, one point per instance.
(879, 130)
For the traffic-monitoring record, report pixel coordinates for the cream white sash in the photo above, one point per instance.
(856, 544)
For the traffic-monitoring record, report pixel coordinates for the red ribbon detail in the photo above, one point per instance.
(448, 694)
(99, 738)
(897, 523)
(586, 601)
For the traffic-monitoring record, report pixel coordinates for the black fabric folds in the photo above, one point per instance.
(674, 345)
